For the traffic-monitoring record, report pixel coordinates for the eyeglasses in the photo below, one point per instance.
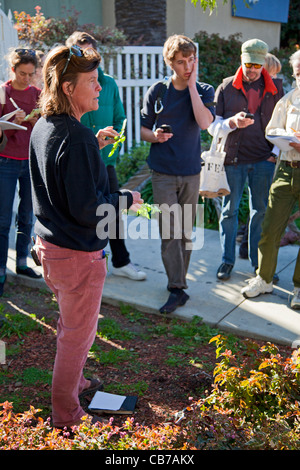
(25, 51)
(296, 76)
(74, 50)
(256, 66)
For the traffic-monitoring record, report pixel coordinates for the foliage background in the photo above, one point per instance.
(218, 58)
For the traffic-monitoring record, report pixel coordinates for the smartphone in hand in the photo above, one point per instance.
(166, 128)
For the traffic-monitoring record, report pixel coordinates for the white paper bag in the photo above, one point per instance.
(213, 180)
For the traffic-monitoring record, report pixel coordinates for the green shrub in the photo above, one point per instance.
(254, 403)
(27, 431)
(130, 162)
(43, 33)
(218, 57)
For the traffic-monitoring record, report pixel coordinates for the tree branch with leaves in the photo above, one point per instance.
(212, 4)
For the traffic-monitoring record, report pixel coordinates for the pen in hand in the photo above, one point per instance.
(14, 103)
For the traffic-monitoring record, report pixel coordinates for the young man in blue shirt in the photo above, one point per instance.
(175, 157)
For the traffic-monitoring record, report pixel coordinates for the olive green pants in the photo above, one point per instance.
(284, 193)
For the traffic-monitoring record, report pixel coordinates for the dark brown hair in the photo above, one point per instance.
(20, 56)
(80, 38)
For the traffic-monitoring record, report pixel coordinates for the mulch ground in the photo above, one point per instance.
(164, 388)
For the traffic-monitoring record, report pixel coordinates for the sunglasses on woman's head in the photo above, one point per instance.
(25, 51)
(73, 50)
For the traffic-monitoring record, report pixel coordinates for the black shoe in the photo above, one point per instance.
(2, 287)
(28, 272)
(224, 271)
(176, 299)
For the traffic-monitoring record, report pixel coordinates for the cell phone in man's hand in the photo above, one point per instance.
(166, 128)
(249, 116)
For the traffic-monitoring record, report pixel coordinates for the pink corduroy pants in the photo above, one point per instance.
(76, 278)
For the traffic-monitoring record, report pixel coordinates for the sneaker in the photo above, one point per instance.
(130, 271)
(275, 277)
(295, 302)
(176, 299)
(224, 271)
(25, 271)
(256, 287)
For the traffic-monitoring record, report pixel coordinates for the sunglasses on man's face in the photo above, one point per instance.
(74, 50)
(25, 52)
(256, 66)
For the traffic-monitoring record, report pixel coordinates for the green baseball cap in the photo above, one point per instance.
(254, 51)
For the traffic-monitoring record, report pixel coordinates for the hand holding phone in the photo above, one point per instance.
(249, 116)
(166, 128)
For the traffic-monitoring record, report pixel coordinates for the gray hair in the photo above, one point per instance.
(295, 58)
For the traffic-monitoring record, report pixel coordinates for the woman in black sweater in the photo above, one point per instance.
(69, 189)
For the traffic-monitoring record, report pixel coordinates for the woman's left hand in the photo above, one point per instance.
(33, 121)
(102, 135)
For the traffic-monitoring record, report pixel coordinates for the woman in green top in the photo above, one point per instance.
(110, 113)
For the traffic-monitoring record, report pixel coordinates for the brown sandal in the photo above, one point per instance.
(94, 387)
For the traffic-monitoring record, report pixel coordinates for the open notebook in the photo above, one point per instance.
(110, 403)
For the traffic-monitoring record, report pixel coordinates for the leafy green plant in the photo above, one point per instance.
(218, 57)
(34, 375)
(129, 163)
(194, 330)
(147, 210)
(253, 400)
(110, 329)
(118, 139)
(131, 313)
(43, 33)
(18, 324)
(138, 388)
(113, 356)
(27, 431)
(289, 34)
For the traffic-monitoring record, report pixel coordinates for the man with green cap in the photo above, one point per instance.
(245, 103)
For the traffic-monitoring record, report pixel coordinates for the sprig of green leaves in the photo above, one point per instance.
(32, 114)
(146, 210)
(119, 139)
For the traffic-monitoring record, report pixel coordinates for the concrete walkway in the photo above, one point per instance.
(219, 304)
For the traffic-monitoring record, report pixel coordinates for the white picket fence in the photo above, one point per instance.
(8, 39)
(135, 69)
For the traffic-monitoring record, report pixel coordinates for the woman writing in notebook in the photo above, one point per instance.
(17, 94)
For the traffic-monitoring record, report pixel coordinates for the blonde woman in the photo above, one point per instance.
(69, 185)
